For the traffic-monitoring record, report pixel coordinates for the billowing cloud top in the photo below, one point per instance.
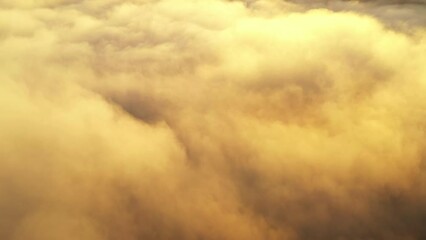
(212, 119)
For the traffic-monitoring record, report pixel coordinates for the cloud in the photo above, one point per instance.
(403, 15)
(211, 120)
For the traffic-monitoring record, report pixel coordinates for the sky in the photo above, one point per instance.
(212, 120)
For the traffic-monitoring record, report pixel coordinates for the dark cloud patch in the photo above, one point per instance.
(143, 107)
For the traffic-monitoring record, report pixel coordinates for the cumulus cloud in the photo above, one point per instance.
(212, 119)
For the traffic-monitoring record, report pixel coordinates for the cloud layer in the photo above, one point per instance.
(212, 119)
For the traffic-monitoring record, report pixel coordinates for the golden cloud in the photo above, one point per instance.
(210, 119)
